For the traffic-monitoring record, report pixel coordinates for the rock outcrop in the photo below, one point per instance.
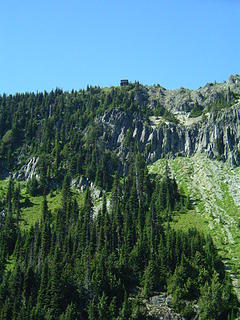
(213, 128)
(158, 308)
(215, 132)
(28, 170)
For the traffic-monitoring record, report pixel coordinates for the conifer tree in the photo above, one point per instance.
(56, 284)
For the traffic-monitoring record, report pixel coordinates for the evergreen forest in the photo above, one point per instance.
(95, 259)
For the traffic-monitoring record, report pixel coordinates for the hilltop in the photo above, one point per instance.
(120, 203)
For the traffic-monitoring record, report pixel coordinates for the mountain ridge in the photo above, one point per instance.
(111, 240)
(161, 122)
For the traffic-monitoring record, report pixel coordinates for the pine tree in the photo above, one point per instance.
(103, 308)
(45, 231)
(43, 294)
(56, 284)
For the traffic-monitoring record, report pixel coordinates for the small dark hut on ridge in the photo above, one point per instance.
(124, 83)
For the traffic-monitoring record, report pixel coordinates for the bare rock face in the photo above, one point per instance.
(158, 307)
(216, 133)
(214, 129)
(28, 170)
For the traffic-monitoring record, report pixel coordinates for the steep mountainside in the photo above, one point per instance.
(181, 122)
(90, 124)
(120, 203)
(214, 190)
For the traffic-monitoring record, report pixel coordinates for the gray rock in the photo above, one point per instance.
(169, 139)
(27, 171)
(158, 307)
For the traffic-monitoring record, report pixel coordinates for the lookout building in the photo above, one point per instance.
(124, 83)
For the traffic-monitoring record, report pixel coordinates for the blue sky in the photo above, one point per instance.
(69, 44)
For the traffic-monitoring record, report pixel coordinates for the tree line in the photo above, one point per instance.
(76, 264)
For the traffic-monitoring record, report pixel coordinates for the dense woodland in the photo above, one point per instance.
(75, 264)
(60, 128)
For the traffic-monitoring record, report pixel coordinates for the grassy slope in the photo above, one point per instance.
(31, 213)
(214, 188)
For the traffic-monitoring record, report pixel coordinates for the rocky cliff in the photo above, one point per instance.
(216, 131)
(160, 122)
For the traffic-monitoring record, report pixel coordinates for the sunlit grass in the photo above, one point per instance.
(208, 184)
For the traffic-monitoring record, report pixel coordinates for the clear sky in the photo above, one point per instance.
(71, 43)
